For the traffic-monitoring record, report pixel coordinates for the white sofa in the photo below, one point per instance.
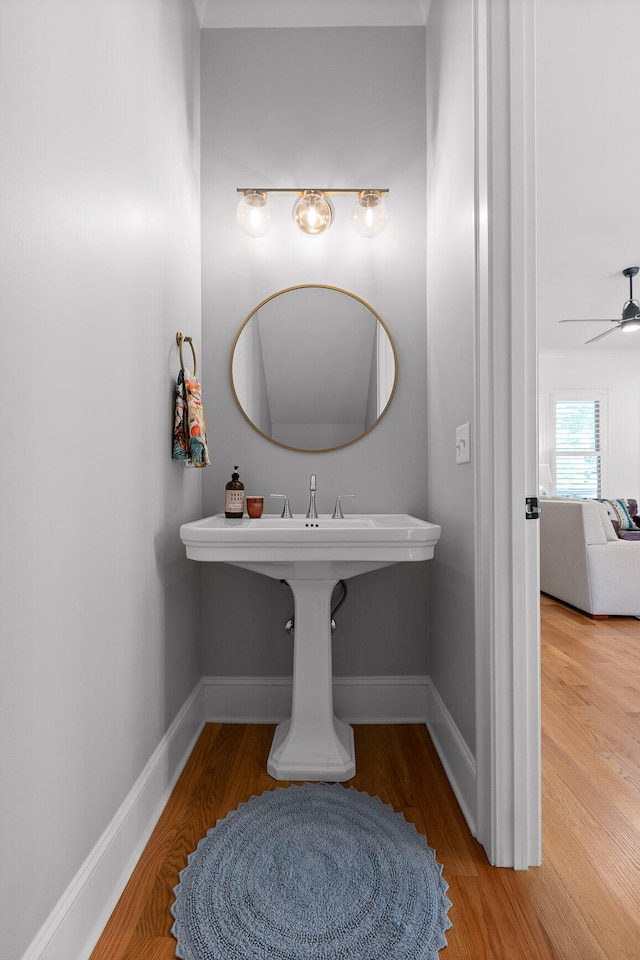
(582, 561)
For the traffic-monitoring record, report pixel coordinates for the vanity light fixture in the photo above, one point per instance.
(254, 213)
(313, 211)
(370, 213)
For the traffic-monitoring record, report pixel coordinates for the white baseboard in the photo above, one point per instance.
(455, 756)
(76, 922)
(356, 699)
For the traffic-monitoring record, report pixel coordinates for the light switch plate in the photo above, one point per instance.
(463, 443)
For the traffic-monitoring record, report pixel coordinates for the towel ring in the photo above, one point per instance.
(180, 339)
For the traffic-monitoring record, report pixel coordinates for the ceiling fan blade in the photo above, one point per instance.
(605, 334)
(630, 312)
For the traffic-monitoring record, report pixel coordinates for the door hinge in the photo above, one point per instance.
(532, 508)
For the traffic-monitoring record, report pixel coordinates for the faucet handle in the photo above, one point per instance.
(337, 510)
(286, 510)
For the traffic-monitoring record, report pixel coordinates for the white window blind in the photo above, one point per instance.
(578, 448)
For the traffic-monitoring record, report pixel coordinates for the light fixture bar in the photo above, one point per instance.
(312, 213)
(327, 191)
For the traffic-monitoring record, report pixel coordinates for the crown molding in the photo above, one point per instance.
(213, 14)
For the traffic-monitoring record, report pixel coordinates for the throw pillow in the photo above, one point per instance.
(618, 511)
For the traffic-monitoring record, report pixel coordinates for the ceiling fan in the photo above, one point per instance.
(630, 319)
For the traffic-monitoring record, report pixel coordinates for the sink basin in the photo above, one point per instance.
(282, 548)
(312, 556)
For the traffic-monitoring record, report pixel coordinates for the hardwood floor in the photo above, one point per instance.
(583, 903)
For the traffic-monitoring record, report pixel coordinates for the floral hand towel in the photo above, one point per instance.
(189, 429)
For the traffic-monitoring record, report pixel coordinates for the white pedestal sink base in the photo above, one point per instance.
(334, 760)
(313, 744)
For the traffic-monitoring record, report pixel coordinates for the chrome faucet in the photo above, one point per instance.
(312, 512)
(286, 509)
(337, 510)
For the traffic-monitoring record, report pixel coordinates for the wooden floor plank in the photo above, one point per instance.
(581, 904)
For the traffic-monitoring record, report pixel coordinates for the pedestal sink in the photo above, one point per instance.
(312, 556)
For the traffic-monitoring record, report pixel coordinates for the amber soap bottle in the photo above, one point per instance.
(234, 497)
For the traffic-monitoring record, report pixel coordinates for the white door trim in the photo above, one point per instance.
(506, 566)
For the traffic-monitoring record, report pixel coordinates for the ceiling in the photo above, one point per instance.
(311, 13)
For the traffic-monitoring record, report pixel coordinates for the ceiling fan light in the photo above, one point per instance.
(628, 326)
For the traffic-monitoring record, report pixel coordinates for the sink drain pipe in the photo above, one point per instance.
(290, 623)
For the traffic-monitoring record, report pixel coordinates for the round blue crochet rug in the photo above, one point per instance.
(313, 872)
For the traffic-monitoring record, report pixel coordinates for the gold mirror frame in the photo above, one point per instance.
(376, 316)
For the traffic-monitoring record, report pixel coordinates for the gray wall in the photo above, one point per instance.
(100, 265)
(450, 309)
(322, 107)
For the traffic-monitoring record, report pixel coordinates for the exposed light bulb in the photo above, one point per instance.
(254, 213)
(313, 213)
(370, 213)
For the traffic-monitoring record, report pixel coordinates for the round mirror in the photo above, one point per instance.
(313, 368)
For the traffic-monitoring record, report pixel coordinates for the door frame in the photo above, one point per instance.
(507, 628)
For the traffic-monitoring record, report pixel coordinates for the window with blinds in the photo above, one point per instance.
(578, 448)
